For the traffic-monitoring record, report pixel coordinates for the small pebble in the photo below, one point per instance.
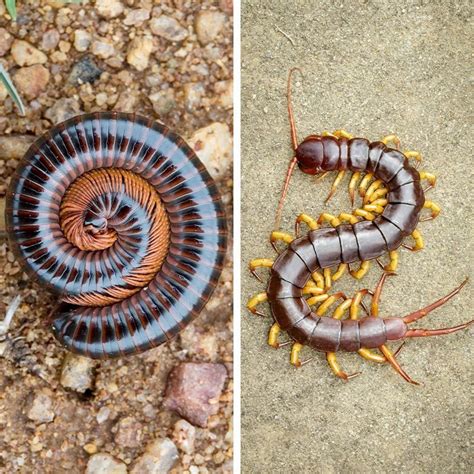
(159, 458)
(208, 25)
(184, 435)
(139, 53)
(77, 372)
(103, 415)
(24, 54)
(85, 70)
(163, 102)
(31, 81)
(41, 409)
(50, 40)
(213, 145)
(168, 28)
(136, 17)
(6, 40)
(104, 463)
(193, 391)
(129, 433)
(90, 448)
(193, 94)
(82, 40)
(103, 49)
(14, 146)
(109, 8)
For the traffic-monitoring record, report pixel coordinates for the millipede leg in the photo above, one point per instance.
(435, 210)
(277, 236)
(308, 220)
(335, 184)
(295, 355)
(255, 301)
(273, 337)
(362, 270)
(391, 139)
(418, 242)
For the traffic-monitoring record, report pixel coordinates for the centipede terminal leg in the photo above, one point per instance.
(374, 312)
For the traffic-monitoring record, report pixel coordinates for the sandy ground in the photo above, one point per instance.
(373, 68)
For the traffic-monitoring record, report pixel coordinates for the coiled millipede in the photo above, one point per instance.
(391, 212)
(116, 215)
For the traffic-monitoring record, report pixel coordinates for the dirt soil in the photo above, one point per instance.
(184, 82)
(372, 68)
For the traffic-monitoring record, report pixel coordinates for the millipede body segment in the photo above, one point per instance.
(116, 215)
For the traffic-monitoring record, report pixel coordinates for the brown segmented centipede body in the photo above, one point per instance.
(116, 214)
(294, 273)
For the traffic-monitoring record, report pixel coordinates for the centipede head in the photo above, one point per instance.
(309, 155)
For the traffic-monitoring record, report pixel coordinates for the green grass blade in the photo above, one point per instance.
(5, 79)
(11, 7)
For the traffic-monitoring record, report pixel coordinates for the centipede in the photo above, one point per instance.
(115, 215)
(298, 294)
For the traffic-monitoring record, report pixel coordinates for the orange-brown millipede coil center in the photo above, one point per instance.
(93, 228)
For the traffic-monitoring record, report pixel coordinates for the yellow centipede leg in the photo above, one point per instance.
(327, 278)
(374, 312)
(416, 236)
(371, 189)
(393, 264)
(413, 155)
(391, 139)
(273, 337)
(335, 184)
(277, 236)
(259, 263)
(255, 301)
(365, 214)
(354, 315)
(331, 356)
(318, 279)
(295, 355)
(326, 217)
(345, 217)
(317, 299)
(308, 220)
(342, 134)
(364, 183)
(431, 178)
(435, 210)
(341, 269)
(379, 193)
(361, 271)
(352, 186)
(328, 302)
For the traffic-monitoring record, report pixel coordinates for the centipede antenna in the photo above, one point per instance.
(421, 313)
(294, 142)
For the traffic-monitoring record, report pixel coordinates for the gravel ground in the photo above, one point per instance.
(373, 68)
(171, 60)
